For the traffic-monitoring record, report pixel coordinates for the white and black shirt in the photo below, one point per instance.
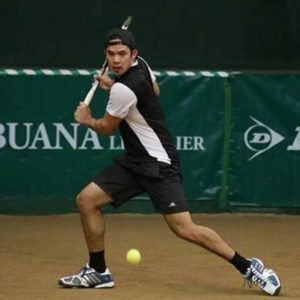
(143, 128)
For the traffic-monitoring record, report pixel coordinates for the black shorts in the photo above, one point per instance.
(125, 179)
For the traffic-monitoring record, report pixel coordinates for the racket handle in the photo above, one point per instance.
(90, 94)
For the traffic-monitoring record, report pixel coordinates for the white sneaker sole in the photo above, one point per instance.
(107, 285)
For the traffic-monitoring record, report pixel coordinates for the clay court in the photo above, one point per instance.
(36, 250)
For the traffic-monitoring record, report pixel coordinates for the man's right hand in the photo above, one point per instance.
(83, 114)
(105, 82)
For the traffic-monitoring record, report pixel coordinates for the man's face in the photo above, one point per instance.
(120, 58)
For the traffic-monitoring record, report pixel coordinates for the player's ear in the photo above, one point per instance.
(134, 53)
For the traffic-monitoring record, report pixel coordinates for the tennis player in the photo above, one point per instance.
(149, 164)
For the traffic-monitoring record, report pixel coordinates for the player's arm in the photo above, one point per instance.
(121, 99)
(105, 125)
(156, 88)
(153, 78)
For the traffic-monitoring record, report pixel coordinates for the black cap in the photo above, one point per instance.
(120, 37)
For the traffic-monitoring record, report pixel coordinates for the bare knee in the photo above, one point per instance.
(85, 203)
(91, 198)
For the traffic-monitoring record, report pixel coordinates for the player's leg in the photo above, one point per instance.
(252, 269)
(183, 226)
(114, 185)
(95, 274)
(89, 202)
(168, 197)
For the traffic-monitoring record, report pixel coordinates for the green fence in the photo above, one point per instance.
(238, 137)
(265, 148)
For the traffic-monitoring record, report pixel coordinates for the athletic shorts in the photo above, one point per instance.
(125, 179)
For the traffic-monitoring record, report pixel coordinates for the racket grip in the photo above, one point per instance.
(90, 94)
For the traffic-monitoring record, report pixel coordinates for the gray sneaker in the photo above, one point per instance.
(88, 277)
(266, 279)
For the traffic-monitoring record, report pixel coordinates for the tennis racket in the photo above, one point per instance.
(89, 97)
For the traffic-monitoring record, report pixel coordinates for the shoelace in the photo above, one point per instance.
(82, 271)
(254, 276)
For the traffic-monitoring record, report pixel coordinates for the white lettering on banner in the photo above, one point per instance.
(41, 136)
(20, 136)
(190, 143)
(2, 138)
(260, 138)
(13, 135)
(37, 138)
(113, 145)
(296, 144)
(91, 136)
(62, 131)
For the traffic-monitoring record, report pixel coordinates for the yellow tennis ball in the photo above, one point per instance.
(133, 256)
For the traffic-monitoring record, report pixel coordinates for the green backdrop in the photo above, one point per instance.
(238, 136)
(265, 151)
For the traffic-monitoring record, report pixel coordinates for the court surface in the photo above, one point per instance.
(36, 250)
